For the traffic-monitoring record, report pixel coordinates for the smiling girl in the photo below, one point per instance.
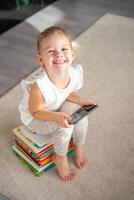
(50, 98)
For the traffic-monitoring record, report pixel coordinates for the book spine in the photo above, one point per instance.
(27, 164)
(28, 149)
(41, 162)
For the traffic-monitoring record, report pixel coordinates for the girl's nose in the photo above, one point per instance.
(58, 55)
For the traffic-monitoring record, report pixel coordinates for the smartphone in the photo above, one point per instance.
(81, 113)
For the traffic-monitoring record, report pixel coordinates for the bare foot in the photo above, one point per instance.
(79, 159)
(63, 168)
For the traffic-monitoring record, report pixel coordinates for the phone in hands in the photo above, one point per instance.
(81, 113)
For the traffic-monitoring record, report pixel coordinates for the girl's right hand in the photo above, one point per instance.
(62, 119)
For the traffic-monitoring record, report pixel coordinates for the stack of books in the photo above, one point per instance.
(35, 150)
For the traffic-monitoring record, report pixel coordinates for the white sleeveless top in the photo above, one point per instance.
(54, 97)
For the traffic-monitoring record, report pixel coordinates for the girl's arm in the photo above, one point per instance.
(38, 110)
(75, 98)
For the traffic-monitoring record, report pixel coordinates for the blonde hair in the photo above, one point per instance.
(49, 31)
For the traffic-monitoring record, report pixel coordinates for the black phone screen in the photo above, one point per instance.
(81, 113)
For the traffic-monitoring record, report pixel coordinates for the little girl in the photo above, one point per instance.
(50, 98)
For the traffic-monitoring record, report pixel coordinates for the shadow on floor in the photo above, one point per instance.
(6, 24)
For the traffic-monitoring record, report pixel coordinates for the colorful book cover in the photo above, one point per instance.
(42, 161)
(45, 153)
(31, 164)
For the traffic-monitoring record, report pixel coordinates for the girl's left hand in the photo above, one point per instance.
(87, 102)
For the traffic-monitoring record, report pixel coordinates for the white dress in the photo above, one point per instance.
(54, 97)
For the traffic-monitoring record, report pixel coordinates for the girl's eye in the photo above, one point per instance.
(50, 51)
(65, 49)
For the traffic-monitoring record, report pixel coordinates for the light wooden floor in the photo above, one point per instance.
(18, 45)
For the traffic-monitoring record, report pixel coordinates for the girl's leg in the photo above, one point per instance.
(61, 141)
(79, 135)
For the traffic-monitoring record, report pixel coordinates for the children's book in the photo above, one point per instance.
(47, 155)
(26, 159)
(38, 151)
(38, 139)
(41, 161)
(38, 156)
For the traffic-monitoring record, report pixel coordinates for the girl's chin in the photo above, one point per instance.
(60, 66)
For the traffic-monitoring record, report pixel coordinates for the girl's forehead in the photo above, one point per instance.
(55, 37)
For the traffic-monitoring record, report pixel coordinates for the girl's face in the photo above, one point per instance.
(56, 54)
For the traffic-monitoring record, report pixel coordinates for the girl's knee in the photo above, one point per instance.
(83, 122)
(63, 134)
(61, 140)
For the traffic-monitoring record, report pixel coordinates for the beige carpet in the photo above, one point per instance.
(107, 54)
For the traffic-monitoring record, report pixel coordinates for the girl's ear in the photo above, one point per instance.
(39, 59)
(73, 53)
(74, 48)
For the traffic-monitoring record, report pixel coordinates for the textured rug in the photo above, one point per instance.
(106, 53)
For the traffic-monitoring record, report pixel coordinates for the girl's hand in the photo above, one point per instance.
(87, 102)
(62, 119)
